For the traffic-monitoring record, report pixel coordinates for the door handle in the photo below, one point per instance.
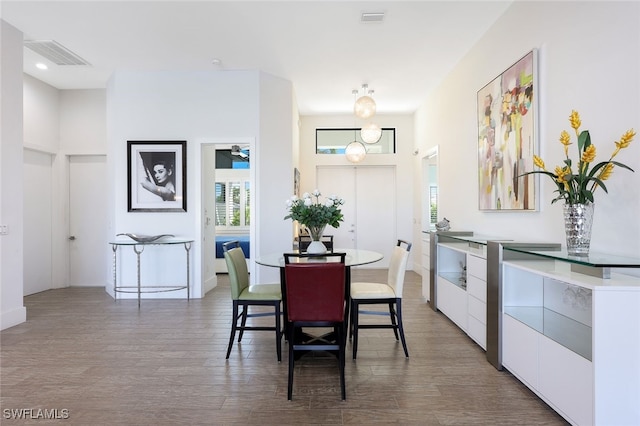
(72, 238)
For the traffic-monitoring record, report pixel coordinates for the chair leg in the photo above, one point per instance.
(392, 314)
(355, 307)
(245, 311)
(233, 327)
(400, 327)
(350, 326)
(341, 361)
(290, 331)
(278, 333)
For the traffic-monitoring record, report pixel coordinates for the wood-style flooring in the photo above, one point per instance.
(82, 356)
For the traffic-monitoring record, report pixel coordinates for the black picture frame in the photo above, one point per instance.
(157, 176)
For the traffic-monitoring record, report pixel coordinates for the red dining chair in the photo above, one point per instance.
(315, 297)
(389, 293)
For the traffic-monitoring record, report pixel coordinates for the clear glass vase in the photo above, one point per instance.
(578, 219)
(316, 246)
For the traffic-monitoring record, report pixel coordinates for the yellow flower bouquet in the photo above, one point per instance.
(577, 185)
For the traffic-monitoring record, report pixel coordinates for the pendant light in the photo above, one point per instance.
(355, 151)
(365, 106)
(370, 133)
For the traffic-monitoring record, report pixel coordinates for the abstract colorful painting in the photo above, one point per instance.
(507, 138)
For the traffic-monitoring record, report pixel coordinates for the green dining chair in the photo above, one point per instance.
(246, 295)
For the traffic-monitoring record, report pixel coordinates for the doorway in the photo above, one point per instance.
(38, 228)
(430, 190)
(88, 223)
(227, 203)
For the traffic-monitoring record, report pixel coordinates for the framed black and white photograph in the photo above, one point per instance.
(157, 176)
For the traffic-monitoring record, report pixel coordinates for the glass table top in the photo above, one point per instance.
(354, 257)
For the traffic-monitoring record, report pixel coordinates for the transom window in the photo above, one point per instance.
(334, 141)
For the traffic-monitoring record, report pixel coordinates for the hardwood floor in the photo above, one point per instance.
(100, 362)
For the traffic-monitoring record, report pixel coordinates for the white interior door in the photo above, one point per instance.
(369, 209)
(37, 222)
(89, 252)
(340, 181)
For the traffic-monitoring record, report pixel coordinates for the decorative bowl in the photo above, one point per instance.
(146, 238)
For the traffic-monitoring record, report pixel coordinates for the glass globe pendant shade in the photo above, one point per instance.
(355, 152)
(365, 107)
(370, 133)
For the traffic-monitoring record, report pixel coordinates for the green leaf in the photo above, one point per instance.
(584, 140)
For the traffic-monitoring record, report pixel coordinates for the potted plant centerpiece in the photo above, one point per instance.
(315, 215)
(576, 183)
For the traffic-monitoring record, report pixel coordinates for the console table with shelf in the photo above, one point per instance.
(138, 248)
(458, 273)
(568, 327)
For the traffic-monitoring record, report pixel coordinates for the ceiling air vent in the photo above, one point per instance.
(372, 17)
(55, 52)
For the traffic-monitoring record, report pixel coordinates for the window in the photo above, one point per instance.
(334, 141)
(232, 204)
(433, 204)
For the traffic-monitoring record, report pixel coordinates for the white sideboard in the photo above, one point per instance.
(573, 338)
(460, 281)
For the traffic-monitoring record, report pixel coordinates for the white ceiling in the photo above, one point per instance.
(320, 46)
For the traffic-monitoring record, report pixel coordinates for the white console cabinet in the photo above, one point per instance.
(461, 285)
(572, 338)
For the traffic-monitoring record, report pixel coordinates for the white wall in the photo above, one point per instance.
(83, 122)
(197, 107)
(12, 310)
(41, 116)
(274, 171)
(588, 61)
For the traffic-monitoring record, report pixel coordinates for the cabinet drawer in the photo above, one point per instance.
(477, 288)
(477, 309)
(520, 351)
(560, 365)
(477, 266)
(477, 331)
(452, 301)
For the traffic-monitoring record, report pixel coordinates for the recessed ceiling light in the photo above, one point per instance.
(41, 66)
(216, 61)
(372, 17)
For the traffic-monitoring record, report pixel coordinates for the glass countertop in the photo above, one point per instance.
(593, 259)
(470, 238)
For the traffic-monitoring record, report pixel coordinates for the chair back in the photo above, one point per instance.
(237, 267)
(315, 287)
(398, 266)
(305, 240)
